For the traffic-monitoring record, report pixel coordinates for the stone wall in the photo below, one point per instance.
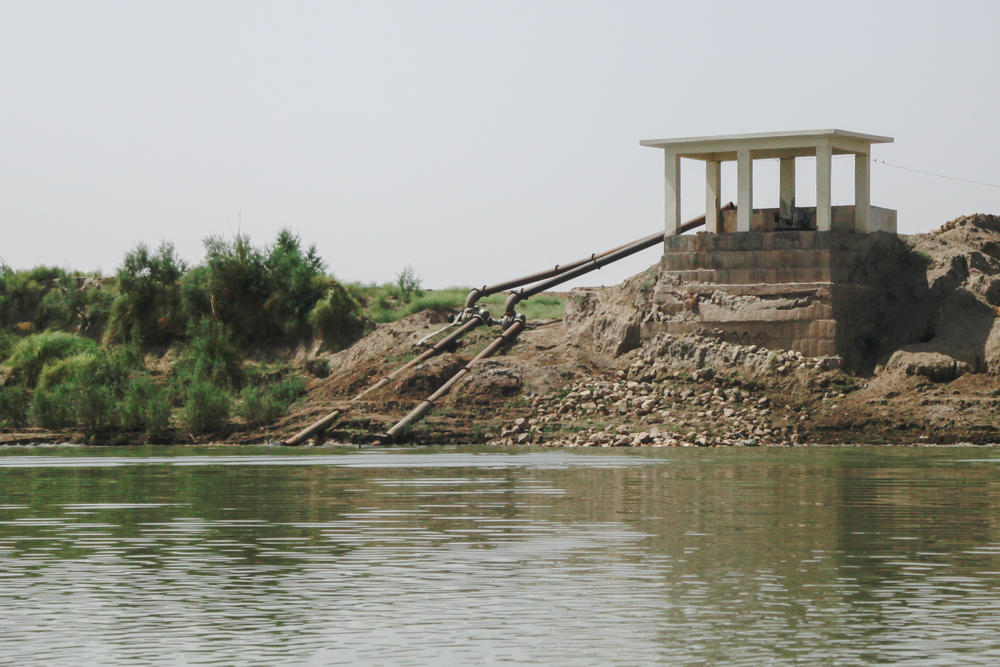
(855, 296)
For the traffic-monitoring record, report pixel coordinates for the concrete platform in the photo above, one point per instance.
(823, 293)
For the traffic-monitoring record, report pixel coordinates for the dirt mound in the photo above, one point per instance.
(388, 339)
(424, 379)
(592, 380)
(963, 275)
(489, 381)
(610, 319)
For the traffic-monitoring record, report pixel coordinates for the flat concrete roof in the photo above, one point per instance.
(795, 143)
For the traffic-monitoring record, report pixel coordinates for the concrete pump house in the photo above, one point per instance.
(786, 147)
(824, 280)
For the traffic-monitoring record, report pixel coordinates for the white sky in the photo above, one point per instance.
(476, 141)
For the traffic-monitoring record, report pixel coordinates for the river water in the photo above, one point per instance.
(471, 556)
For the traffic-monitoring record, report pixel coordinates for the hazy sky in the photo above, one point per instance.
(475, 141)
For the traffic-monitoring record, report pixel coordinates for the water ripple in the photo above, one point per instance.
(454, 558)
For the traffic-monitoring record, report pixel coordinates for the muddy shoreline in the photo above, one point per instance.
(587, 380)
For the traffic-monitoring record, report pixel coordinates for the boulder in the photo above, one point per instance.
(934, 366)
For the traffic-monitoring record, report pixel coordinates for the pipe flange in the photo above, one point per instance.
(508, 319)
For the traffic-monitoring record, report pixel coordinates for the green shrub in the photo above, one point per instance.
(148, 310)
(337, 318)
(257, 406)
(210, 356)
(318, 367)
(263, 295)
(51, 298)
(31, 354)
(95, 407)
(408, 283)
(85, 390)
(288, 389)
(20, 295)
(296, 282)
(68, 369)
(6, 343)
(264, 404)
(542, 307)
(53, 407)
(206, 408)
(196, 298)
(145, 406)
(921, 259)
(237, 284)
(15, 401)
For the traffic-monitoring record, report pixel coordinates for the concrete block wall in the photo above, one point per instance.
(821, 293)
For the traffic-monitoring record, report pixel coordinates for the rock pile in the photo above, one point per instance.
(680, 391)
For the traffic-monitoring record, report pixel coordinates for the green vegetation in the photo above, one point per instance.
(337, 317)
(161, 350)
(648, 282)
(73, 346)
(388, 303)
(922, 258)
(49, 298)
(206, 408)
(261, 404)
(15, 401)
(272, 295)
(29, 355)
(148, 309)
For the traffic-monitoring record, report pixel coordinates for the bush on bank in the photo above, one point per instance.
(263, 295)
(158, 351)
(49, 298)
(207, 319)
(108, 393)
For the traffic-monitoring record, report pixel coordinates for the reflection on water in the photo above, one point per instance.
(815, 556)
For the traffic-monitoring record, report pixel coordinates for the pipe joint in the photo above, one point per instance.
(472, 297)
(467, 314)
(508, 307)
(509, 318)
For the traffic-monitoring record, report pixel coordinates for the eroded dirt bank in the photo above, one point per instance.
(589, 379)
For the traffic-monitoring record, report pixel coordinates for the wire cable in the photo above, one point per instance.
(931, 173)
(916, 171)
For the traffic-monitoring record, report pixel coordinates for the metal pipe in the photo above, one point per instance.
(558, 275)
(603, 259)
(473, 322)
(316, 426)
(480, 292)
(322, 423)
(423, 341)
(424, 406)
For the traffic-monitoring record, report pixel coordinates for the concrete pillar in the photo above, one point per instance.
(824, 166)
(862, 191)
(713, 195)
(672, 176)
(744, 189)
(786, 186)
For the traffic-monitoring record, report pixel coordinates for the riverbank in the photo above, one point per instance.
(587, 380)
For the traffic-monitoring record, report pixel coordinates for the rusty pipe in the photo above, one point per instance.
(315, 427)
(474, 321)
(424, 406)
(324, 422)
(603, 259)
(486, 290)
(479, 292)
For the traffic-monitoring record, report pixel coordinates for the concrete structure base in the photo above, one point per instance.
(823, 293)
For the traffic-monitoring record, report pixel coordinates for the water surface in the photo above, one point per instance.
(464, 556)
